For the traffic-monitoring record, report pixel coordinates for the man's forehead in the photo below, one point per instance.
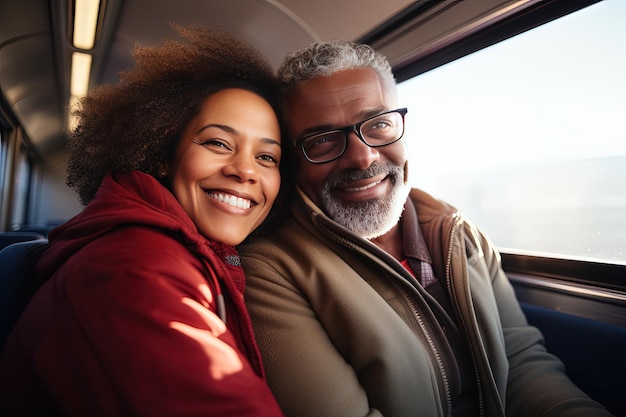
(332, 101)
(349, 82)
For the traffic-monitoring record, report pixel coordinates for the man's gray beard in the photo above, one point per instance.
(368, 219)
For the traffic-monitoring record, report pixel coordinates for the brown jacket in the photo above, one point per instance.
(343, 333)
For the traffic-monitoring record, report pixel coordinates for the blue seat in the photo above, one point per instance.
(596, 364)
(18, 283)
(8, 238)
(42, 229)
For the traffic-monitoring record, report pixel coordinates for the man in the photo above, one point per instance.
(372, 299)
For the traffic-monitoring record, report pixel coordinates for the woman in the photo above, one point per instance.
(143, 310)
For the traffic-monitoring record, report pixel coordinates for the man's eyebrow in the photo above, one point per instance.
(363, 115)
(316, 129)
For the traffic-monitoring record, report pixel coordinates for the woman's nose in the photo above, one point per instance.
(242, 167)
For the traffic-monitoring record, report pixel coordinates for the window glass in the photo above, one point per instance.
(527, 137)
(20, 192)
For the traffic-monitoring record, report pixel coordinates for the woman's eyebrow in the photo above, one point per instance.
(270, 141)
(233, 131)
(225, 128)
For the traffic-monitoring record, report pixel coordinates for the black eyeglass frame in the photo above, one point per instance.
(356, 128)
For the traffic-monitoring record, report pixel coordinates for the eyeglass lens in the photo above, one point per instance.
(378, 131)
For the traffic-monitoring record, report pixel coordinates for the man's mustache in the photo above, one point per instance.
(352, 175)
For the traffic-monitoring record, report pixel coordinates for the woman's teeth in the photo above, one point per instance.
(231, 200)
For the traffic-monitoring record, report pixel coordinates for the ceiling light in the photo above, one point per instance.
(81, 69)
(85, 23)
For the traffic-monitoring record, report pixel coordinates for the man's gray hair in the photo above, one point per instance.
(321, 59)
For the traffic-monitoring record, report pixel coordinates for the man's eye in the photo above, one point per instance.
(380, 124)
(320, 140)
(324, 140)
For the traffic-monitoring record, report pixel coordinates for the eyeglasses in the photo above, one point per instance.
(376, 131)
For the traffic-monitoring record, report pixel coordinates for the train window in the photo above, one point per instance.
(527, 136)
(15, 196)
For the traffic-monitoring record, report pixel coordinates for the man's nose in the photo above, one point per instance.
(358, 154)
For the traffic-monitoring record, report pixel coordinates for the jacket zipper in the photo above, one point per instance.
(455, 307)
(347, 243)
(433, 348)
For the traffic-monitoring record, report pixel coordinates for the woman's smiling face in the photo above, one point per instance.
(225, 169)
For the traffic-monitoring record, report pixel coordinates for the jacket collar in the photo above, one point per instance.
(413, 241)
(426, 225)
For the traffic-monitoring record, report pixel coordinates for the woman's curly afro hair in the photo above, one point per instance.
(136, 123)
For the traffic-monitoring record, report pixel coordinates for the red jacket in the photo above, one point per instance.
(128, 325)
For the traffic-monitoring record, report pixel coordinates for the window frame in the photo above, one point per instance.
(590, 274)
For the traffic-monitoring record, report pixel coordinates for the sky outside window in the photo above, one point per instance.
(531, 127)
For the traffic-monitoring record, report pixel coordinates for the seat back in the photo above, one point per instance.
(18, 283)
(42, 229)
(8, 238)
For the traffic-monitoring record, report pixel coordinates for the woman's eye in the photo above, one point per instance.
(269, 159)
(215, 143)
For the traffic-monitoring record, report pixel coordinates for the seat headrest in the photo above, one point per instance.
(18, 282)
(9, 238)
